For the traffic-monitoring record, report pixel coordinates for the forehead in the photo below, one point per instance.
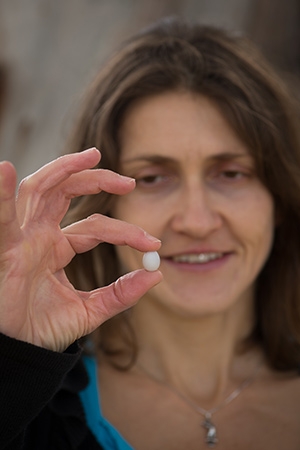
(177, 125)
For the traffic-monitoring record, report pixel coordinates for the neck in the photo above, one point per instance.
(182, 352)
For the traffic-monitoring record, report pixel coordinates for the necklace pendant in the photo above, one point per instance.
(211, 435)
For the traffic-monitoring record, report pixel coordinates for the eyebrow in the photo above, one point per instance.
(158, 159)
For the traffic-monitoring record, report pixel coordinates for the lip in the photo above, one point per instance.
(194, 250)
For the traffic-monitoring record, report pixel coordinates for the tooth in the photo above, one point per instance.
(197, 258)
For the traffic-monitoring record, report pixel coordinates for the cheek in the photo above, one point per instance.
(258, 222)
(146, 214)
(125, 208)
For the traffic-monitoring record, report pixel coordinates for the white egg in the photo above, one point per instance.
(151, 261)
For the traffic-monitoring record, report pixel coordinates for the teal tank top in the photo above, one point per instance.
(105, 433)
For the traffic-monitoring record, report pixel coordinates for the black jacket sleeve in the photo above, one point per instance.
(30, 376)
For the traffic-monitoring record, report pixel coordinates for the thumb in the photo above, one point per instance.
(106, 302)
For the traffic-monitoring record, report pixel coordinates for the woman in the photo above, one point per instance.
(209, 355)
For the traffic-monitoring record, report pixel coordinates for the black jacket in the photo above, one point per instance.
(40, 407)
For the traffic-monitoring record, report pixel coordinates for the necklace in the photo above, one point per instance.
(211, 438)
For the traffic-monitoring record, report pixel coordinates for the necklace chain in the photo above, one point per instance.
(211, 436)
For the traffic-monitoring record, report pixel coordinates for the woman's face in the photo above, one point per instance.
(198, 191)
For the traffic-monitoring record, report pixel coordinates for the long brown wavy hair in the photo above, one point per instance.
(175, 55)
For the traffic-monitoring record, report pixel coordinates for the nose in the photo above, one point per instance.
(197, 212)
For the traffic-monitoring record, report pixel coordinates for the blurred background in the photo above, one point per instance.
(50, 50)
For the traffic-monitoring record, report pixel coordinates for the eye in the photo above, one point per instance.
(233, 174)
(154, 181)
(150, 180)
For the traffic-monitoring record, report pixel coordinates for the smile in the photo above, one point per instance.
(197, 258)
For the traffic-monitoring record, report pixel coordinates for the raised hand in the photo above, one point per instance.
(37, 302)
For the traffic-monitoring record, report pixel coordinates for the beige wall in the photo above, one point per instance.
(53, 47)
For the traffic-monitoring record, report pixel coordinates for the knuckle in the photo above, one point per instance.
(27, 186)
(93, 217)
(120, 292)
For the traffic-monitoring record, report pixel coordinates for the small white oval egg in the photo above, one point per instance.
(151, 261)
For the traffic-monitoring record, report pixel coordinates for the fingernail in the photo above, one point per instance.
(129, 180)
(152, 238)
(92, 149)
